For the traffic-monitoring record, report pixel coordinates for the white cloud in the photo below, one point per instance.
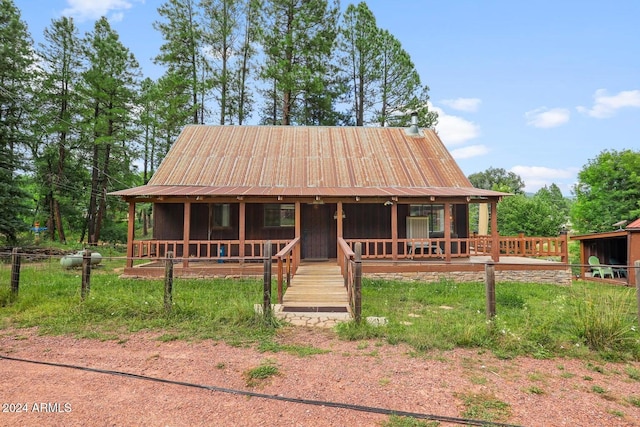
(536, 177)
(470, 151)
(605, 106)
(84, 10)
(116, 17)
(454, 130)
(544, 117)
(463, 104)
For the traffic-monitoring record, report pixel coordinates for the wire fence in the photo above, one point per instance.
(85, 287)
(40, 274)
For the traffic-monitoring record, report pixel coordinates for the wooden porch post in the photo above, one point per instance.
(186, 237)
(394, 231)
(242, 231)
(495, 236)
(298, 232)
(583, 259)
(339, 228)
(565, 247)
(447, 231)
(339, 219)
(131, 233)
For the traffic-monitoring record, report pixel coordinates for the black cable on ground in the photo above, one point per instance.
(361, 408)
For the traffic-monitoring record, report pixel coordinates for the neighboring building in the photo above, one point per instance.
(619, 249)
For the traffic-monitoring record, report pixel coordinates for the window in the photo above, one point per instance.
(434, 212)
(220, 215)
(279, 215)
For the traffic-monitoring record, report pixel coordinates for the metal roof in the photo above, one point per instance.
(307, 161)
(635, 224)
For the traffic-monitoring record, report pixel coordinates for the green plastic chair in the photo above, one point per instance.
(598, 270)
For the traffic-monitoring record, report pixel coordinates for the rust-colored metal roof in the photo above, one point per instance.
(307, 161)
(635, 224)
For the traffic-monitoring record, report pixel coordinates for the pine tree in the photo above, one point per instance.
(58, 100)
(361, 62)
(231, 31)
(182, 54)
(16, 64)
(110, 84)
(298, 39)
(384, 85)
(399, 79)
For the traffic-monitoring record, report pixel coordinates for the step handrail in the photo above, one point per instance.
(287, 259)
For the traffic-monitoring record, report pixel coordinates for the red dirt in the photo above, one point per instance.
(558, 392)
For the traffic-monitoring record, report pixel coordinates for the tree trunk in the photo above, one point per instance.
(92, 211)
(57, 216)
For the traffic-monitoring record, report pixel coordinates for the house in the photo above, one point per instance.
(619, 249)
(222, 191)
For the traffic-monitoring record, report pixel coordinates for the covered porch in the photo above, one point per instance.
(214, 237)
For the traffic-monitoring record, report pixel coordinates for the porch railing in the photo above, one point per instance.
(383, 249)
(288, 259)
(213, 249)
(462, 247)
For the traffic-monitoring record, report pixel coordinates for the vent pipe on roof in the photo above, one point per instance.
(414, 129)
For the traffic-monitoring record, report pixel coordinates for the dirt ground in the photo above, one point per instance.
(557, 392)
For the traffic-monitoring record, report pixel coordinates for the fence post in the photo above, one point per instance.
(266, 295)
(358, 282)
(168, 282)
(637, 274)
(15, 273)
(490, 289)
(86, 274)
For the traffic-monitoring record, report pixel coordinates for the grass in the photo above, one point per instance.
(396, 421)
(49, 298)
(584, 320)
(258, 375)
(541, 320)
(634, 400)
(484, 407)
(296, 350)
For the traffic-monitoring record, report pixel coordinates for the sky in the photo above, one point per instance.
(537, 87)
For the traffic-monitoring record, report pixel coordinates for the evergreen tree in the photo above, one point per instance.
(149, 101)
(298, 39)
(399, 79)
(16, 64)
(221, 36)
(172, 113)
(58, 100)
(384, 85)
(110, 84)
(361, 61)
(241, 103)
(182, 55)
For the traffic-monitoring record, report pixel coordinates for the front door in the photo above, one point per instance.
(315, 231)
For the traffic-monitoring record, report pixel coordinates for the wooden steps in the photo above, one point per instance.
(317, 287)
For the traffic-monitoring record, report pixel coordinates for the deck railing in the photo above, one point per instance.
(212, 249)
(372, 249)
(462, 247)
(288, 259)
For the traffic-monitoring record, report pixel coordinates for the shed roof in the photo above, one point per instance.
(635, 224)
(307, 161)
